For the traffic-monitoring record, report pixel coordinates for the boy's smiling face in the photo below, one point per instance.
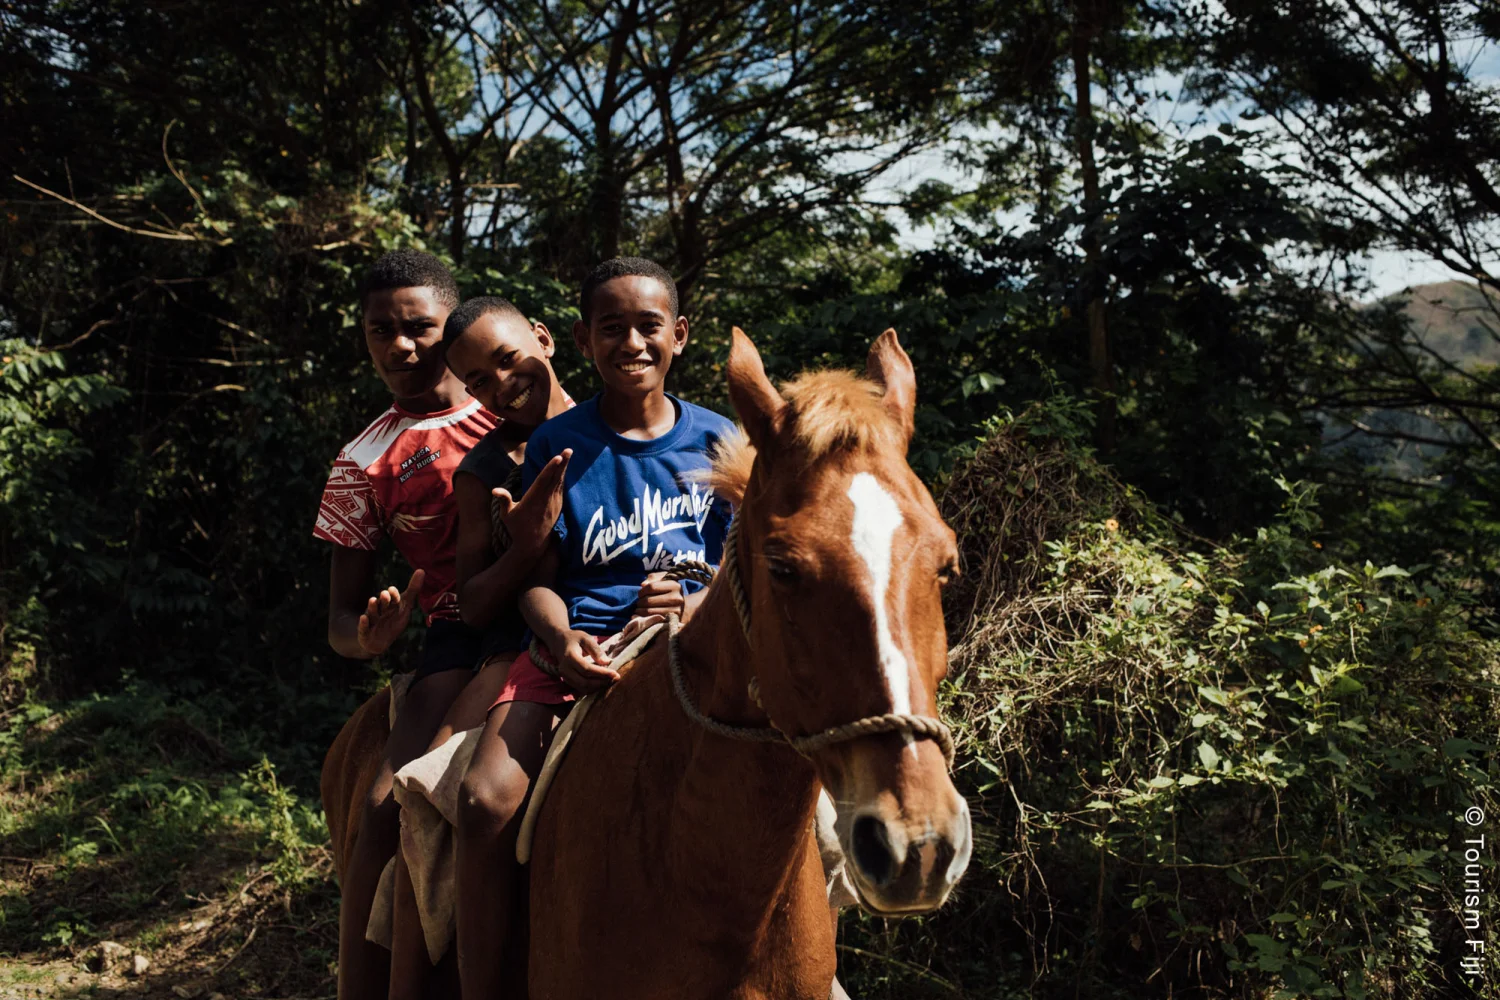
(503, 362)
(632, 336)
(404, 333)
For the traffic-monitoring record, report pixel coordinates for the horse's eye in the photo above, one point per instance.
(947, 574)
(781, 571)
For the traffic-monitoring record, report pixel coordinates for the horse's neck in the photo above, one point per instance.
(749, 806)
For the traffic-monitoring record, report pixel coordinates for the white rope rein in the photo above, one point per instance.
(911, 726)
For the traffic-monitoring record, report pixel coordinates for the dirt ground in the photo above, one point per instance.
(225, 933)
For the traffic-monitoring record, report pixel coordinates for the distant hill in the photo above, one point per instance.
(1455, 319)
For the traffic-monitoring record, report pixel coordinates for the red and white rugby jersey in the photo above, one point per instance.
(396, 478)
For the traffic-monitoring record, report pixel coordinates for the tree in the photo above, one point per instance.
(697, 128)
(1061, 79)
(185, 196)
(1089, 18)
(1377, 111)
(1382, 119)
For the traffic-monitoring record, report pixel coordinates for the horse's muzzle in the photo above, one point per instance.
(907, 864)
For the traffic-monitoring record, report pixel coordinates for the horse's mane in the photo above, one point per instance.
(729, 476)
(828, 412)
(837, 411)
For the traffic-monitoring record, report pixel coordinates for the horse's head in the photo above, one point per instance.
(844, 560)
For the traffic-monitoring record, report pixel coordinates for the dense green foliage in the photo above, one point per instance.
(1199, 762)
(191, 190)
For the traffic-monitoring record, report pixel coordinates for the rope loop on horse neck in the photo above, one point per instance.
(910, 726)
(702, 572)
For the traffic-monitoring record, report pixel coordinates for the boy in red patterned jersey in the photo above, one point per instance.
(396, 479)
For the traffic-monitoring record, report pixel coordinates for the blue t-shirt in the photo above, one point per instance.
(630, 508)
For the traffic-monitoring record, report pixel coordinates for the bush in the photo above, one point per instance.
(1239, 768)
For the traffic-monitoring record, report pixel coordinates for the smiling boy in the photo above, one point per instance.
(632, 507)
(505, 362)
(396, 478)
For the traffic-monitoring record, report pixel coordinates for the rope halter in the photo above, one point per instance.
(910, 726)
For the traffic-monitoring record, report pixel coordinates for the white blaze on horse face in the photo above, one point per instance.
(876, 518)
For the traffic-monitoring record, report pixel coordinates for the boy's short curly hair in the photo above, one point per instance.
(624, 267)
(468, 314)
(409, 269)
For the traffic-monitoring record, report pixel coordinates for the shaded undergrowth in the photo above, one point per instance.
(143, 824)
(1220, 771)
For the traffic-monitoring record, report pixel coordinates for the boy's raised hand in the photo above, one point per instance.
(582, 663)
(387, 615)
(529, 520)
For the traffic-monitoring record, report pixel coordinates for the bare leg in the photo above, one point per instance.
(410, 967)
(472, 706)
(364, 968)
(491, 805)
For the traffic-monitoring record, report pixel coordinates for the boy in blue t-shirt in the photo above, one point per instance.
(631, 509)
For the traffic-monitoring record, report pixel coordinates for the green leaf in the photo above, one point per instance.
(1459, 748)
(1200, 720)
(1344, 684)
(980, 382)
(1208, 755)
(1215, 695)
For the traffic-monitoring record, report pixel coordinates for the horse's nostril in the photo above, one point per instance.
(872, 850)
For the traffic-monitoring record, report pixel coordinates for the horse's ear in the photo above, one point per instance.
(890, 367)
(759, 405)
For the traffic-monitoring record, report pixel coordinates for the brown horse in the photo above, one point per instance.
(350, 768)
(352, 763)
(670, 860)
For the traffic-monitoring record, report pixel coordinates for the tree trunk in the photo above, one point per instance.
(607, 206)
(607, 199)
(1095, 280)
(458, 211)
(682, 207)
(458, 192)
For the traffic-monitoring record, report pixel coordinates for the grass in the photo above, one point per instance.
(133, 820)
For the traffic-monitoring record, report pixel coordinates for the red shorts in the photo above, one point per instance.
(528, 682)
